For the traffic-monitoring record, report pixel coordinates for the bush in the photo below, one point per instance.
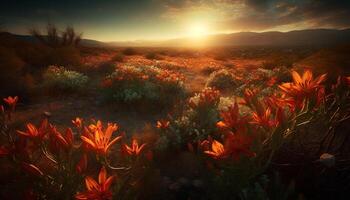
(146, 86)
(222, 80)
(152, 56)
(63, 80)
(129, 51)
(119, 57)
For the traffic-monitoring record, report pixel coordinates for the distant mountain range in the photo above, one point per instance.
(319, 37)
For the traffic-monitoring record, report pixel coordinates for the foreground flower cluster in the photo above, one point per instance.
(236, 145)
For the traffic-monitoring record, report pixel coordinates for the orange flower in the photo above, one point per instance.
(97, 191)
(162, 124)
(264, 119)
(134, 149)
(231, 119)
(34, 132)
(237, 145)
(207, 97)
(64, 140)
(217, 150)
(11, 101)
(99, 140)
(303, 87)
(78, 122)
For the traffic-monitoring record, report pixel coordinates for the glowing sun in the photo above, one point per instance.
(198, 30)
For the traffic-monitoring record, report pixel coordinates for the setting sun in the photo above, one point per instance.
(198, 30)
(174, 99)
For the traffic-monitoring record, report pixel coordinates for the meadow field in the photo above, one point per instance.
(234, 122)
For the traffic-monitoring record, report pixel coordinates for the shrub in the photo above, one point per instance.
(119, 57)
(143, 86)
(152, 56)
(129, 51)
(63, 80)
(222, 80)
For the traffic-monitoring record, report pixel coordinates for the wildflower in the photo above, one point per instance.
(97, 190)
(237, 145)
(135, 149)
(264, 119)
(64, 140)
(99, 140)
(11, 102)
(97, 126)
(34, 132)
(207, 97)
(162, 124)
(217, 150)
(303, 87)
(78, 122)
(231, 119)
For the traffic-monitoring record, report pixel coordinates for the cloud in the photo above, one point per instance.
(259, 15)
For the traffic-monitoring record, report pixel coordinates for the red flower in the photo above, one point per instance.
(264, 119)
(231, 119)
(239, 144)
(78, 122)
(217, 150)
(99, 140)
(34, 132)
(97, 190)
(162, 124)
(134, 149)
(305, 87)
(11, 102)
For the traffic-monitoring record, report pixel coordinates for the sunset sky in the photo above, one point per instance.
(127, 20)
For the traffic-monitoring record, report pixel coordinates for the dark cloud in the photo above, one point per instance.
(268, 14)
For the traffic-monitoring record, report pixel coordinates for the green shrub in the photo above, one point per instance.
(222, 80)
(143, 86)
(63, 80)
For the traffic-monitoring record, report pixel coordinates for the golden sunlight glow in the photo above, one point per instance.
(198, 30)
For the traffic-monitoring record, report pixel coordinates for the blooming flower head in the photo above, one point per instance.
(62, 140)
(207, 97)
(134, 149)
(264, 119)
(237, 145)
(98, 140)
(231, 119)
(162, 124)
(11, 102)
(217, 150)
(34, 132)
(97, 190)
(78, 122)
(304, 87)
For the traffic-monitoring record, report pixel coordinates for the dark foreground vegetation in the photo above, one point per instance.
(169, 123)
